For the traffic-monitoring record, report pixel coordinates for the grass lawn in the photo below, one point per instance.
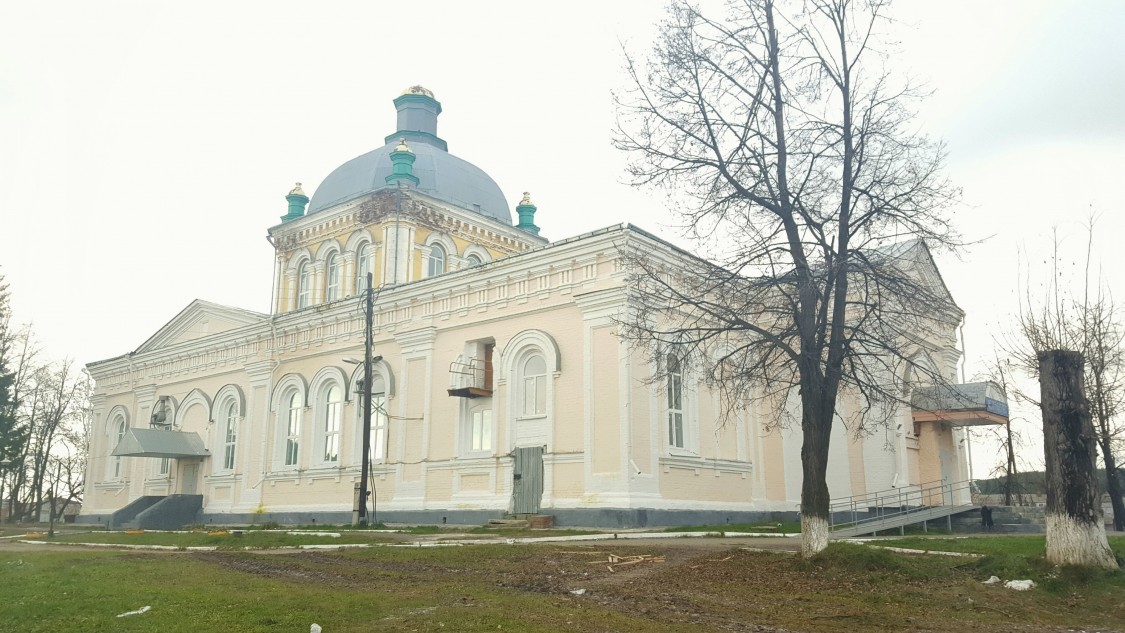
(768, 528)
(647, 587)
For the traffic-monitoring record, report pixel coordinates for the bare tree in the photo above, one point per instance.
(792, 156)
(1091, 325)
(54, 406)
(1075, 531)
(1103, 347)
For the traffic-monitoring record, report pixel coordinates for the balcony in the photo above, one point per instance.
(470, 378)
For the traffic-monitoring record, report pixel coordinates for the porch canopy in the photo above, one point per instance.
(961, 405)
(158, 443)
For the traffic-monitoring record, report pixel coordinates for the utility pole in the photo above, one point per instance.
(366, 459)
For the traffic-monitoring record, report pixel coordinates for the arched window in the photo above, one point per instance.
(332, 278)
(333, 410)
(303, 285)
(363, 266)
(473, 260)
(435, 263)
(533, 385)
(293, 429)
(674, 390)
(230, 435)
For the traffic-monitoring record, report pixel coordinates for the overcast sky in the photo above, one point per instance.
(146, 146)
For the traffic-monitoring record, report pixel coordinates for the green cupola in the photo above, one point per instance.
(402, 165)
(418, 111)
(526, 211)
(297, 201)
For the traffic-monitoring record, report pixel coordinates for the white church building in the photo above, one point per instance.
(500, 385)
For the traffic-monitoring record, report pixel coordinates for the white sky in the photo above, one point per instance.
(145, 146)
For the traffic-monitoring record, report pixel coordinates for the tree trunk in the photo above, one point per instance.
(1075, 531)
(1010, 474)
(816, 429)
(1113, 487)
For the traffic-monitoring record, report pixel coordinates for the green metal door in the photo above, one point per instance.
(527, 476)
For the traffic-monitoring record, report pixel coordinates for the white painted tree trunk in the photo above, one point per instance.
(814, 535)
(1075, 542)
(1075, 525)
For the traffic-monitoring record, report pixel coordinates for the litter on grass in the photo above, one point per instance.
(992, 580)
(143, 609)
(1020, 585)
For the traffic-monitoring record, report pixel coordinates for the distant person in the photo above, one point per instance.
(986, 518)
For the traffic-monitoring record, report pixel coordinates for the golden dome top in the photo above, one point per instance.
(418, 90)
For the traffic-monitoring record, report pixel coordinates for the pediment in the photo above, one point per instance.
(200, 319)
(928, 273)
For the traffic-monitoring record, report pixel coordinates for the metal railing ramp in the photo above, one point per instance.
(898, 507)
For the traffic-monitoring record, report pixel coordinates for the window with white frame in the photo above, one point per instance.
(480, 429)
(435, 262)
(332, 278)
(165, 466)
(333, 409)
(304, 283)
(363, 266)
(674, 392)
(293, 429)
(532, 383)
(230, 435)
(473, 260)
(379, 419)
(119, 427)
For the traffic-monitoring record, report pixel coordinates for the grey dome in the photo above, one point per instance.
(440, 174)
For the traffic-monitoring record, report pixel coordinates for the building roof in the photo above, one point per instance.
(440, 174)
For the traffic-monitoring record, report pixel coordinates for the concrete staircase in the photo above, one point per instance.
(158, 513)
(123, 518)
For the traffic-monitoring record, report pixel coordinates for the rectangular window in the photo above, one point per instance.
(293, 437)
(229, 443)
(481, 431)
(163, 466)
(332, 415)
(535, 395)
(378, 426)
(675, 393)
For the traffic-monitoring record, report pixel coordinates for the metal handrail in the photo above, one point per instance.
(468, 374)
(896, 502)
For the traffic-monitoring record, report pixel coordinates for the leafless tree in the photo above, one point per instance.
(1075, 530)
(791, 154)
(1087, 322)
(54, 411)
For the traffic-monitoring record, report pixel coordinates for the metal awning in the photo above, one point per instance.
(966, 404)
(159, 443)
